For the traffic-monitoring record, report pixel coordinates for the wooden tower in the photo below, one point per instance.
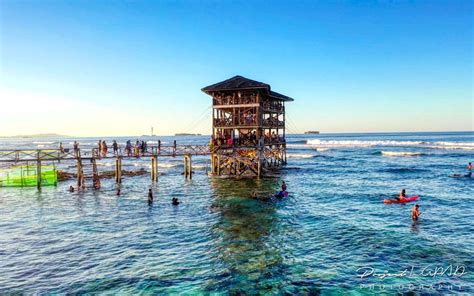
(248, 128)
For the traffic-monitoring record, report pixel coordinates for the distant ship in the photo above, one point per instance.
(185, 134)
(312, 132)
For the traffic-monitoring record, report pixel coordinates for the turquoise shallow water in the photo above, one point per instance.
(220, 240)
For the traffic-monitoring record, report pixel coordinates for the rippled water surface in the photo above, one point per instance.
(221, 240)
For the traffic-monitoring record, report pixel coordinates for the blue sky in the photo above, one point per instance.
(118, 67)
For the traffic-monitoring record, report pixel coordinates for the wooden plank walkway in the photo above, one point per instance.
(27, 155)
(84, 157)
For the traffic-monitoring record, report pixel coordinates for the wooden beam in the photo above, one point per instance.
(235, 106)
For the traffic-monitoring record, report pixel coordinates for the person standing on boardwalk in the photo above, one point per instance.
(99, 148)
(115, 147)
(415, 212)
(76, 148)
(104, 149)
(143, 148)
(137, 149)
(61, 148)
(128, 148)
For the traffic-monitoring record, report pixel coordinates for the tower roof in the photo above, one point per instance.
(242, 83)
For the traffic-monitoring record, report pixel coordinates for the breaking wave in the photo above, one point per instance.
(401, 153)
(294, 155)
(388, 143)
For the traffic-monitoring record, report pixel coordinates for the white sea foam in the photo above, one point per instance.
(360, 143)
(322, 149)
(297, 146)
(318, 144)
(43, 143)
(401, 153)
(167, 165)
(294, 155)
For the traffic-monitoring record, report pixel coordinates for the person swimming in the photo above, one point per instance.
(71, 189)
(175, 201)
(283, 186)
(150, 197)
(415, 212)
(469, 166)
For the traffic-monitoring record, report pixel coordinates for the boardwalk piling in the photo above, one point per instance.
(187, 166)
(118, 170)
(38, 172)
(95, 174)
(80, 172)
(154, 168)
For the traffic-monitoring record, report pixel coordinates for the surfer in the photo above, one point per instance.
(283, 186)
(415, 212)
(402, 195)
(175, 201)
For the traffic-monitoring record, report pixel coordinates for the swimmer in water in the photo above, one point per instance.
(150, 197)
(469, 166)
(415, 212)
(71, 189)
(175, 201)
(118, 191)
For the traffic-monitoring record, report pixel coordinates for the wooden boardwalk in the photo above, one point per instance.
(30, 155)
(83, 157)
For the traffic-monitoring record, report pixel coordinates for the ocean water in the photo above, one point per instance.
(220, 240)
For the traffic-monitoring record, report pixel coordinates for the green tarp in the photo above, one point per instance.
(21, 176)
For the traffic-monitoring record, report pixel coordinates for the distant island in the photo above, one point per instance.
(48, 135)
(185, 134)
(312, 132)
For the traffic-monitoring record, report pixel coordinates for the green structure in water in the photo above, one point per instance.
(27, 175)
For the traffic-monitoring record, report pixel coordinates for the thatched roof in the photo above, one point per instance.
(242, 83)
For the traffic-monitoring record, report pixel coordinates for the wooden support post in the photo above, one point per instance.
(154, 168)
(80, 178)
(218, 165)
(187, 166)
(259, 163)
(38, 171)
(95, 174)
(190, 167)
(118, 170)
(185, 169)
